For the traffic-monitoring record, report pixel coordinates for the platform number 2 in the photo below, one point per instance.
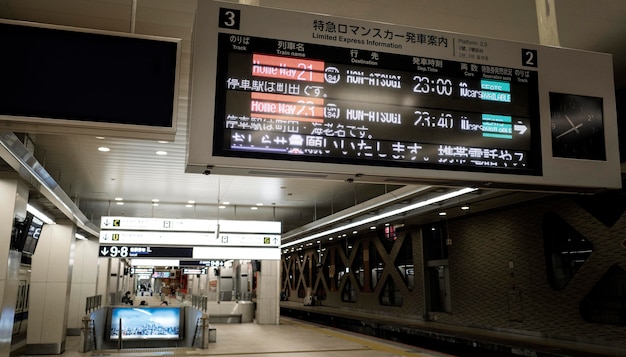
(229, 18)
(529, 57)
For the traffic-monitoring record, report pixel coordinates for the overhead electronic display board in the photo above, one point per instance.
(327, 97)
(60, 80)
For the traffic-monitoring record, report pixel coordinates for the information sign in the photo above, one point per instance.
(114, 237)
(188, 225)
(191, 271)
(327, 97)
(125, 251)
(207, 263)
(342, 105)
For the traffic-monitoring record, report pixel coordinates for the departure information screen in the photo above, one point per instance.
(289, 100)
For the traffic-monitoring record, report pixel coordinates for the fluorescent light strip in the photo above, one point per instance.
(383, 215)
(37, 213)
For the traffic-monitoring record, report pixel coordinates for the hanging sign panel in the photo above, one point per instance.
(115, 237)
(328, 97)
(125, 251)
(60, 80)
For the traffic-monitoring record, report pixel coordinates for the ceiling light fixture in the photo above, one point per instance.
(161, 153)
(104, 149)
(37, 213)
(384, 215)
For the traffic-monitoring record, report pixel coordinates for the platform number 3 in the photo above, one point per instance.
(529, 57)
(229, 18)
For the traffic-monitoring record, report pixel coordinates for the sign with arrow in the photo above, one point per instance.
(124, 251)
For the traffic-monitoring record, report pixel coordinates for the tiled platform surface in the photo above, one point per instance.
(292, 338)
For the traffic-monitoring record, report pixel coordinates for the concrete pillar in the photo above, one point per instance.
(114, 284)
(546, 22)
(14, 196)
(84, 279)
(268, 293)
(51, 276)
(102, 280)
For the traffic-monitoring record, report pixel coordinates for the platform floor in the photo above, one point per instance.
(292, 338)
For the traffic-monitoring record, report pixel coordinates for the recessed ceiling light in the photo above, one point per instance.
(163, 142)
(118, 199)
(221, 206)
(373, 227)
(188, 206)
(155, 200)
(161, 153)
(331, 238)
(259, 204)
(100, 137)
(119, 203)
(104, 149)
(465, 208)
(254, 208)
(226, 202)
(155, 204)
(191, 202)
(355, 232)
(442, 213)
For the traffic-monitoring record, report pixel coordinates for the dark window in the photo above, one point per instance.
(434, 240)
(565, 250)
(357, 266)
(390, 294)
(340, 268)
(348, 294)
(377, 265)
(404, 262)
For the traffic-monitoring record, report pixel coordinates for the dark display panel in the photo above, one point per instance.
(25, 234)
(339, 105)
(577, 126)
(146, 323)
(59, 74)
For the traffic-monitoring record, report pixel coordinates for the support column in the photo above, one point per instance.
(546, 20)
(268, 293)
(84, 279)
(103, 279)
(50, 285)
(14, 196)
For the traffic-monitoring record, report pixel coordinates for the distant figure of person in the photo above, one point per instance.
(164, 303)
(143, 303)
(126, 299)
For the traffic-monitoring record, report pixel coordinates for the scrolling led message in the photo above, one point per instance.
(339, 105)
